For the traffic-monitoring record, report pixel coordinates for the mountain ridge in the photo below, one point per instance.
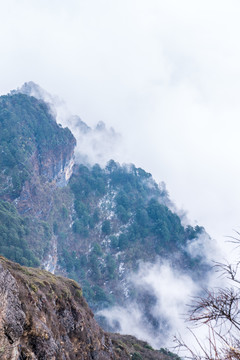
(94, 224)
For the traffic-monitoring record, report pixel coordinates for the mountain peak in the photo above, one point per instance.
(30, 88)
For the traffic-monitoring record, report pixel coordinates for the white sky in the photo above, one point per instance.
(164, 73)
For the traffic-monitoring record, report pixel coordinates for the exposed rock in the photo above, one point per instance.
(12, 318)
(45, 317)
(57, 165)
(140, 349)
(54, 170)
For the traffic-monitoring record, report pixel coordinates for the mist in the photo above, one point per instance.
(165, 75)
(170, 290)
(95, 145)
(167, 290)
(168, 293)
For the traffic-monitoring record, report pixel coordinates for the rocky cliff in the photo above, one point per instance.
(45, 317)
(34, 148)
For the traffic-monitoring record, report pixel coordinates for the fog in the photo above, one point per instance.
(164, 74)
(171, 289)
(169, 293)
(94, 145)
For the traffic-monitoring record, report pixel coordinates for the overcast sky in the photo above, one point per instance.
(163, 73)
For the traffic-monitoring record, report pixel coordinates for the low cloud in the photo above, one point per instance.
(94, 145)
(166, 291)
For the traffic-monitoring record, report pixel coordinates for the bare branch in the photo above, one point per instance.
(228, 270)
(219, 310)
(220, 307)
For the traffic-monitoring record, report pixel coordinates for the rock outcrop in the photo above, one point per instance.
(50, 171)
(45, 317)
(32, 146)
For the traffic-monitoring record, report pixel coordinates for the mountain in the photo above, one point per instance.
(31, 144)
(43, 316)
(96, 144)
(36, 159)
(95, 224)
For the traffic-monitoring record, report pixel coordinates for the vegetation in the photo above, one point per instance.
(28, 136)
(26, 127)
(49, 308)
(138, 203)
(138, 349)
(120, 214)
(120, 208)
(13, 232)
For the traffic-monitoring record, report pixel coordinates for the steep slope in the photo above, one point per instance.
(36, 162)
(45, 317)
(96, 225)
(121, 220)
(13, 234)
(31, 143)
(95, 144)
(122, 216)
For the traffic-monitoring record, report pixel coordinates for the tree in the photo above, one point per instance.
(106, 227)
(219, 310)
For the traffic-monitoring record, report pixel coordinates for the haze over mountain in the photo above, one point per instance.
(111, 228)
(94, 145)
(168, 69)
(154, 84)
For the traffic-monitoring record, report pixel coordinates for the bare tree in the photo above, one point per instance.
(219, 310)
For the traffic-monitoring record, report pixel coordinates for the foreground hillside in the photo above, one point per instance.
(45, 317)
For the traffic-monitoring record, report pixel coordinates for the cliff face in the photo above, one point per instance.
(49, 172)
(53, 162)
(34, 149)
(57, 164)
(45, 317)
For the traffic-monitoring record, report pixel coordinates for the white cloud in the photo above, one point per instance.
(165, 74)
(171, 290)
